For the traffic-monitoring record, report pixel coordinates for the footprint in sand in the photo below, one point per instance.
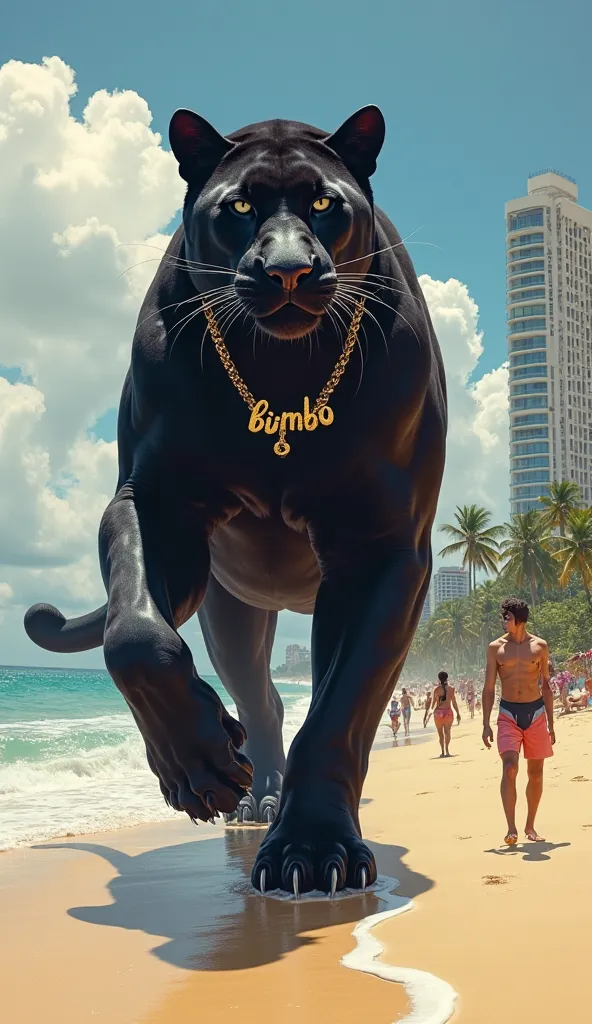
(496, 879)
(586, 826)
(470, 837)
(579, 778)
(427, 792)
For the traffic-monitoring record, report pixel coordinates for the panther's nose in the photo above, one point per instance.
(288, 276)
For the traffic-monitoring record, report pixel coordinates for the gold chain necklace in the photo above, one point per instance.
(262, 418)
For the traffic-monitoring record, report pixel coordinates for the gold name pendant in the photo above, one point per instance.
(262, 418)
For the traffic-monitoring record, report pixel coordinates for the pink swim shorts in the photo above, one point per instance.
(443, 714)
(534, 740)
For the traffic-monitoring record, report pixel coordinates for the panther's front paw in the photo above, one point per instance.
(302, 853)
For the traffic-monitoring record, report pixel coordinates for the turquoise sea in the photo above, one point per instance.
(72, 759)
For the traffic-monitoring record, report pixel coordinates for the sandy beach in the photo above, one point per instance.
(156, 923)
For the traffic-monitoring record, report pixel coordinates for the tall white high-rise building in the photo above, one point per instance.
(447, 583)
(296, 655)
(549, 306)
(426, 611)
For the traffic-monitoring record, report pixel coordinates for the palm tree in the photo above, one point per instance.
(486, 605)
(527, 550)
(563, 498)
(475, 538)
(453, 627)
(576, 550)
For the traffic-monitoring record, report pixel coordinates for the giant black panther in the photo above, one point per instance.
(230, 503)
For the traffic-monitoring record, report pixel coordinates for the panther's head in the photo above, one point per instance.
(274, 211)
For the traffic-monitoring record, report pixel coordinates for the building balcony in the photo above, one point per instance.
(518, 374)
(531, 325)
(525, 267)
(528, 344)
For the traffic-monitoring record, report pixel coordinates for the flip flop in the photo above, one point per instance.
(511, 839)
(534, 837)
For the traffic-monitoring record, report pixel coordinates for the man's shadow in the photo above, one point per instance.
(529, 851)
(198, 896)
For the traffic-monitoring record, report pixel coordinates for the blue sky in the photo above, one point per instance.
(476, 97)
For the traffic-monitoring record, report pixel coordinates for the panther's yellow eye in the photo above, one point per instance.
(241, 206)
(322, 204)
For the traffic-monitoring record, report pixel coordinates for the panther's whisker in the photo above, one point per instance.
(228, 312)
(388, 248)
(194, 263)
(235, 317)
(339, 301)
(371, 314)
(395, 311)
(335, 325)
(201, 347)
(172, 261)
(360, 278)
(363, 328)
(204, 336)
(223, 309)
(188, 319)
(193, 298)
(181, 324)
(359, 291)
(337, 314)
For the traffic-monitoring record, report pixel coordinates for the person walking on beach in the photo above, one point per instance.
(427, 706)
(443, 701)
(395, 715)
(471, 697)
(406, 705)
(525, 720)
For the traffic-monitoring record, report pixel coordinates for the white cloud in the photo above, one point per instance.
(477, 465)
(73, 194)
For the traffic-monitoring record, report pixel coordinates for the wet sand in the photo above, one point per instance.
(155, 923)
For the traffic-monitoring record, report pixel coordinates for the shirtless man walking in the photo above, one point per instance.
(406, 705)
(525, 714)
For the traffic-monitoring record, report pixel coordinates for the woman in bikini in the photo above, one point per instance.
(443, 701)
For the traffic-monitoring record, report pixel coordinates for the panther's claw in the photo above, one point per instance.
(302, 856)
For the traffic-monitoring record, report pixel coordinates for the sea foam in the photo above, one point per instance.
(81, 775)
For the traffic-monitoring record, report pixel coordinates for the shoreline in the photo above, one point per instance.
(299, 681)
(156, 921)
(163, 816)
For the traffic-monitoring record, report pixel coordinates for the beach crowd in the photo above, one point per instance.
(519, 685)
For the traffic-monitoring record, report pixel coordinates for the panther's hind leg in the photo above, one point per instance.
(239, 639)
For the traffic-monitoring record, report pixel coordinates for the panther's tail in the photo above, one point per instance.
(48, 628)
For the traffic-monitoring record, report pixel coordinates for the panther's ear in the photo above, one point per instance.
(359, 140)
(197, 145)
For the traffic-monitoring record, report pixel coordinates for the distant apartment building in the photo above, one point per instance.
(549, 307)
(426, 611)
(296, 655)
(448, 582)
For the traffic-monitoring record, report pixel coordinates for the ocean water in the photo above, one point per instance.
(72, 759)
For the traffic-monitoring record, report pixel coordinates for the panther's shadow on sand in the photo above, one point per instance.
(196, 894)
